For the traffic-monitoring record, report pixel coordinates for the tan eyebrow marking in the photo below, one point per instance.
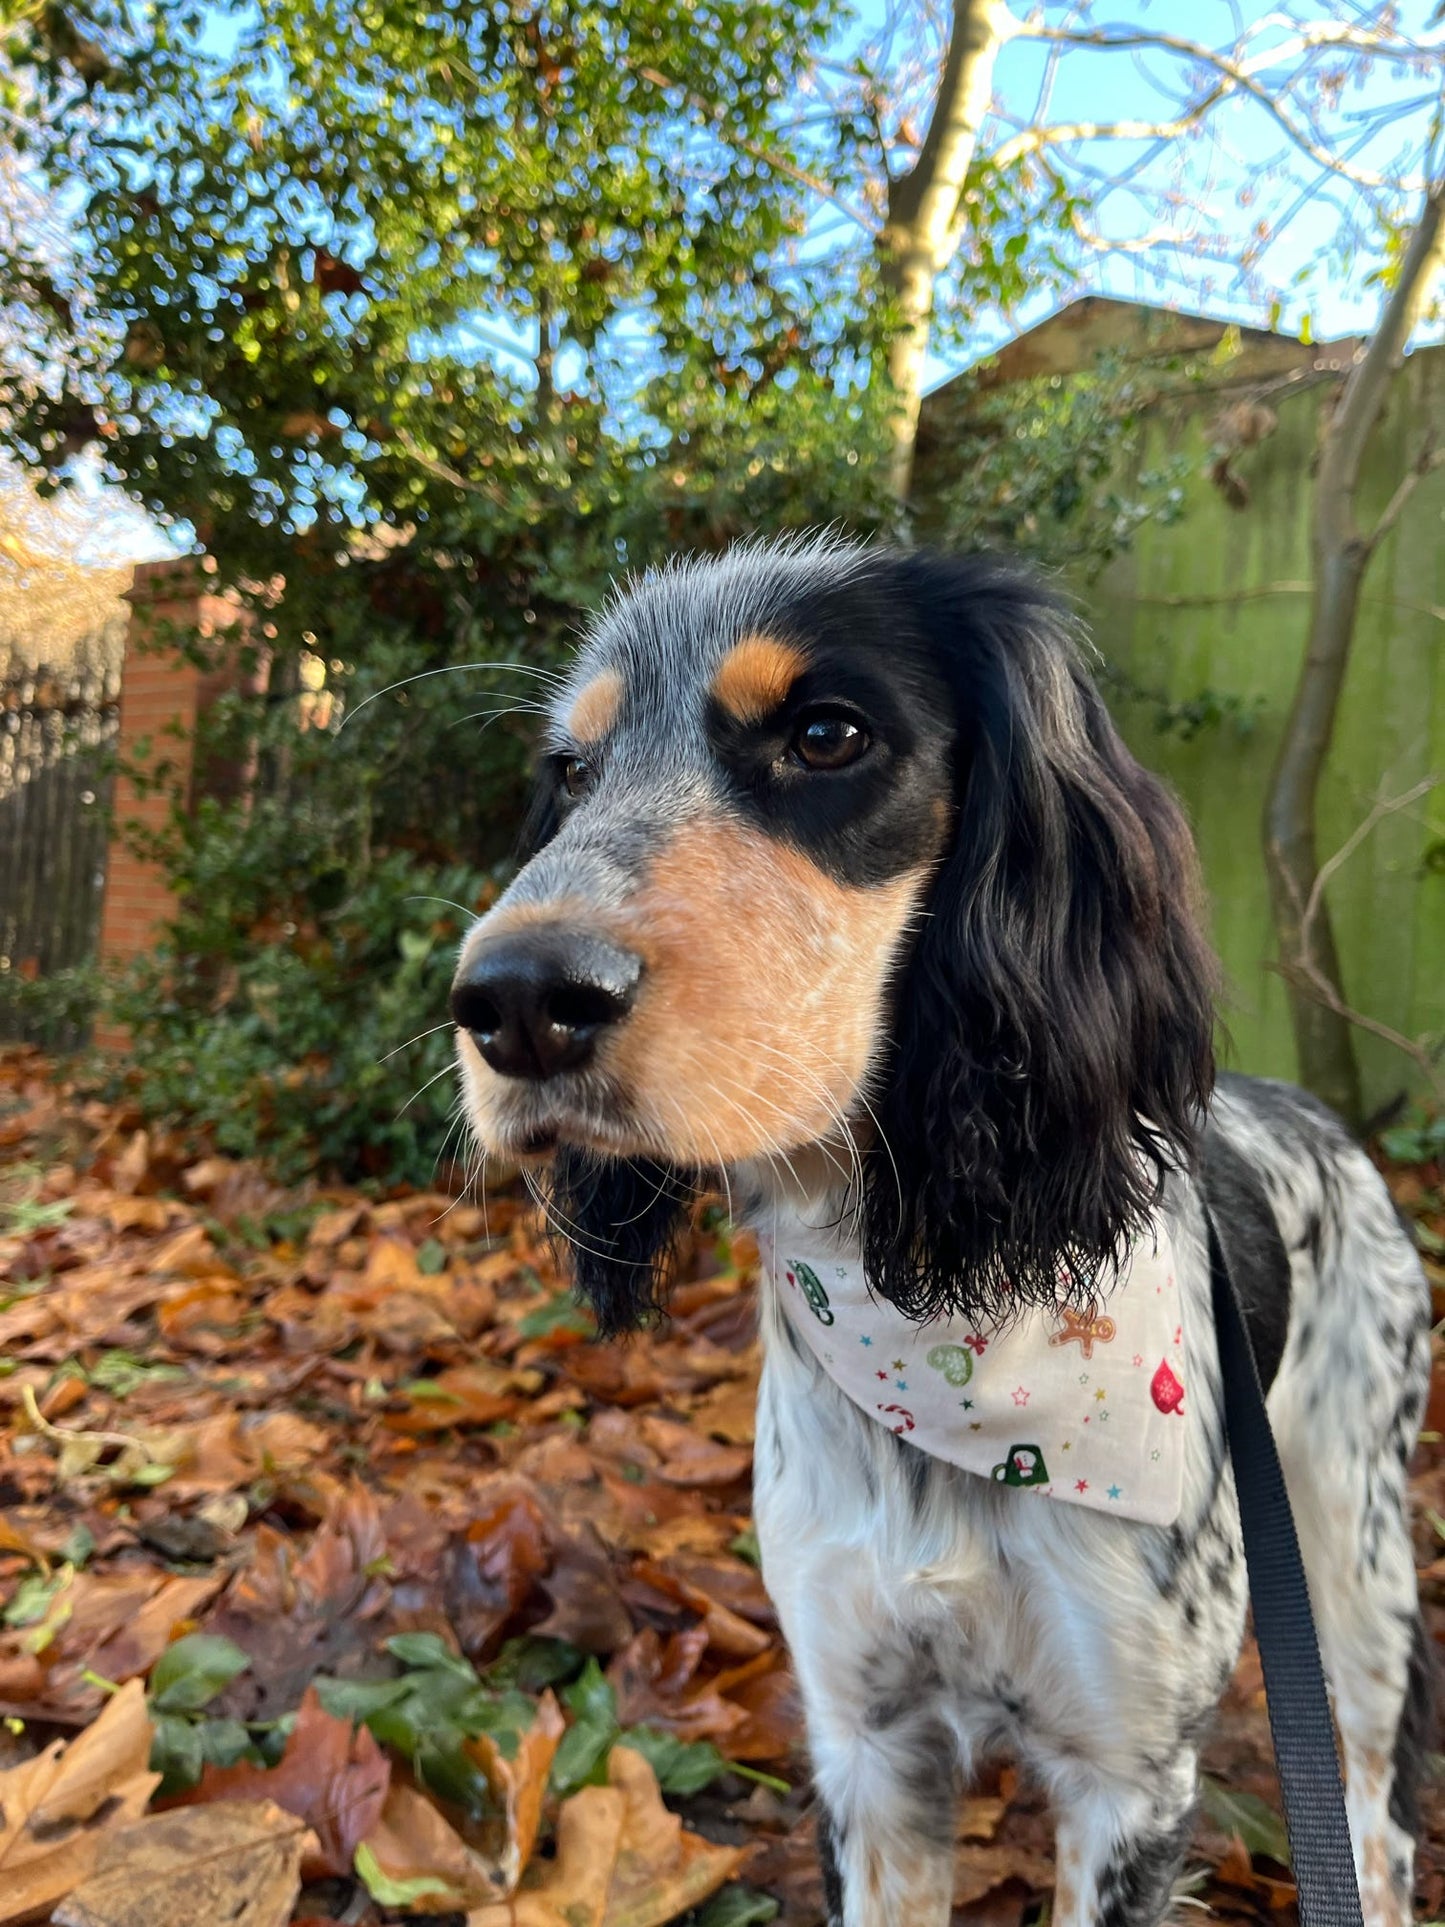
(755, 675)
(595, 707)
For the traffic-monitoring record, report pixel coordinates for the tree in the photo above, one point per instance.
(440, 317)
(1341, 553)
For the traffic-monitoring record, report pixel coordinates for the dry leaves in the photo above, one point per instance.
(235, 1863)
(499, 1576)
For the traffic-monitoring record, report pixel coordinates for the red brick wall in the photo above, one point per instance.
(159, 687)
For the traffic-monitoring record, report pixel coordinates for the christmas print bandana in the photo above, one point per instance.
(1087, 1407)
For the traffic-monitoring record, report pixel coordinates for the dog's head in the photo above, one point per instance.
(836, 847)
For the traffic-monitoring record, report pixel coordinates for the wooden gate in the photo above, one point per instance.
(58, 727)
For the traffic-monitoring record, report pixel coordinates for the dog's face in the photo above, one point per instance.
(745, 789)
(831, 842)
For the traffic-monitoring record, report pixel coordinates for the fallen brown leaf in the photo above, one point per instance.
(332, 1775)
(570, 1891)
(239, 1863)
(413, 1841)
(57, 1809)
(661, 1870)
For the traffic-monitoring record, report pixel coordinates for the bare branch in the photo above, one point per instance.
(1382, 807)
(1242, 75)
(1034, 138)
(1305, 972)
(1425, 463)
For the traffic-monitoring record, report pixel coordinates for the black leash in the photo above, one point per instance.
(1289, 1652)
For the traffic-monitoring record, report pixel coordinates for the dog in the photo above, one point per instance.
(841, 891)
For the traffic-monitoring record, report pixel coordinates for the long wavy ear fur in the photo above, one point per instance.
(619, 1221)
(1053, 1045)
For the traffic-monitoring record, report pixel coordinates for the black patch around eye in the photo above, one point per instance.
(869, 816)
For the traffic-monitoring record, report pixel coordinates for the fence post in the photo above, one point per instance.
(161, 689)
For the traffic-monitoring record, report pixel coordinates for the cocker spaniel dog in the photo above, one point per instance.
(842, 889)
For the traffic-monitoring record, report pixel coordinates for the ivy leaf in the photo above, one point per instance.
(429, 1651)
(588, 1740)
(735, 1906)
(189, 1674)
(682, 1767)
(1256, 1823)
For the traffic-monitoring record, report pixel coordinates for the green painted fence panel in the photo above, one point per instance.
(1218, 602)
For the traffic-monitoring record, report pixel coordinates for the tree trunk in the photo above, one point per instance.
(1341, 553)
(920, 236)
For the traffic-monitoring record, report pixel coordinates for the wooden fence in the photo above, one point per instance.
(1203, 623)
(58, 726)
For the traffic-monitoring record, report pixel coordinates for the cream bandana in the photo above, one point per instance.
(1088, 1408)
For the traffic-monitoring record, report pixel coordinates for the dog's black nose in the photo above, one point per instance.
(537, 1001)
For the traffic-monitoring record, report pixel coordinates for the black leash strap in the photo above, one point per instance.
(1289, 1652)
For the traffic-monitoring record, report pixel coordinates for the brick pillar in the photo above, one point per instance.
(171, 602)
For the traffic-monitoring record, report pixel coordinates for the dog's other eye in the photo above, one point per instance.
(578, 775)
(828, 742)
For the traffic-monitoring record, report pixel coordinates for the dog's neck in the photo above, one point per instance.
(816, 1187)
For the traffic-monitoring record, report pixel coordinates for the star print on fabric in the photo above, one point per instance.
(1116, 1492)
(967, 1404)
(1083, 1378)
(1178, 1334)
(901, 1383)
(1020, 1396)
(900, 1364)
(1102, 1417)
(882, 1375)
(1068, 1445)
(1081, 1485)
(1155, 1453)
(1101, 1393)
(865, 1341)
(974, 1426)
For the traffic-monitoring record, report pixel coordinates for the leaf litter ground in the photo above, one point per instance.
(344, 1576)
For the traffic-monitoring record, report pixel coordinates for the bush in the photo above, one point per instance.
(54, 1012)
(316, 1034)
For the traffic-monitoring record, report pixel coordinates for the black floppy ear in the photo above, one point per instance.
(620, 1221)
(1053, 1040)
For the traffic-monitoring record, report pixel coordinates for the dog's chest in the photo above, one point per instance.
(1045, 1629)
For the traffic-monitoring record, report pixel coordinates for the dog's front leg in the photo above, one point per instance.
(885, 1756)
(1120, 1848)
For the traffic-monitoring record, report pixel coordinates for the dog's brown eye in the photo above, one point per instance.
(829, 742)
(577, 775)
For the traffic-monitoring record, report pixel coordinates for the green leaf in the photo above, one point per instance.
(431, 1257)
(746, 1546)
(683, 1767)
(530, 1663)
(151, 1475)
(560, 1313)
(735, 1906)
(1256, 1823)
(224, 1742)
(358, 1700)
(587, 1741)
(32, 1598)
(430, 1650)
(189, 1674)
(387, 1892)
(176, 1752)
